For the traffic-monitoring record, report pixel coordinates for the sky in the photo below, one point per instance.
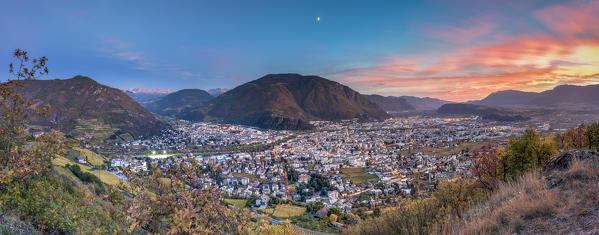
(453, 50)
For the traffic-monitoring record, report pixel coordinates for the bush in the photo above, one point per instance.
(87, 177)
(522, 154)
(53, 205)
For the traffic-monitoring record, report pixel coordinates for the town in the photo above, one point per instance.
(347, 164)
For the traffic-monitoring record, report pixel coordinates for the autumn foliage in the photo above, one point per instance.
(21, 159)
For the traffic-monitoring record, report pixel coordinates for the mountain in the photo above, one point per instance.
(507, 98)
(290, 101)
(175, 103)
(217, 91)
(486, 112)
(391, 103)
(425, 103)
(142, 95)
(564, 95)
(406, 103)
(568, 94)
(81, 98)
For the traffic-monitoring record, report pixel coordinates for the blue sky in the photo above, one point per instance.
(386, 47)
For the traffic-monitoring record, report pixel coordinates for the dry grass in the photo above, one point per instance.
(582, 168)
(510, 205)
(529, 205)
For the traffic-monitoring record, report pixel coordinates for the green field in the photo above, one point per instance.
(62, 161)
(357, 175)
(106, 177)
(92, 158)
(240, 203)
(288, 211)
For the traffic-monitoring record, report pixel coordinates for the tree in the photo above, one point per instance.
(180, 205)
(527, 152)
(486, 167)
(573, 138)
(592, 136)
(22, 159)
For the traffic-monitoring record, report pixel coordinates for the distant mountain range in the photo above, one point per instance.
(561, 95)
(406, 103)
(175, 103)
(275, 101)
(142, 94)
(84, 99)
(217, 91)
(513, 105)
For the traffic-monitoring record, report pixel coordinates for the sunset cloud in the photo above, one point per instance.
(566, 52)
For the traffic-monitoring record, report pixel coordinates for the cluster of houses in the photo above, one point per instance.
(389, 153)
(188, 135)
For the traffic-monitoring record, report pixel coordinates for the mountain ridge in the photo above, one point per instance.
(290, 101)
(175, 103)
(562, 94)
(406, 103)
(81, 97)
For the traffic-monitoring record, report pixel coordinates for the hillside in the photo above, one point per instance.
(568, 94)
(81, 98)
(486, 112)
(391, 103)
(175, 103)
(425, 103)
(289, 101)
(564, 94)
(506, 98)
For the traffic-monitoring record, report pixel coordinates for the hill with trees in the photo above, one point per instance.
(290, 101)
(81, 98)
(406, 103)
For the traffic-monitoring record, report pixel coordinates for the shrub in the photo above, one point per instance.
(87, 177)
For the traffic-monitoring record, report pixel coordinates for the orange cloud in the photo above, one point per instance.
(568, 53)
